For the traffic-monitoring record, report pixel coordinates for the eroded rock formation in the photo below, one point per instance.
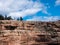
(29, 33)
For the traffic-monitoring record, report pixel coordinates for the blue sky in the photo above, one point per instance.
(31, 10)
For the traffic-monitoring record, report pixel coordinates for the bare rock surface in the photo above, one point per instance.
(21, 37)
(29, 32)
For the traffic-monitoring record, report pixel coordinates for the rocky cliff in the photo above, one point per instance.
(29, 33)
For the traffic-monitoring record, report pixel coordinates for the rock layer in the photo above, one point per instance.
(29, 33)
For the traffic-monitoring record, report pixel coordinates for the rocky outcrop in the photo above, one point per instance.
(23, 37)
(29, 33)
(27, 25)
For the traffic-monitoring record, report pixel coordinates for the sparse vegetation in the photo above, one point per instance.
(1, 17)
(9, 18)
(20, 19)
(5, 18)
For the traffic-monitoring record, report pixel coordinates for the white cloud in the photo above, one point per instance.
(57, 2)
(44, 18)
(22, 8)
(24, 12)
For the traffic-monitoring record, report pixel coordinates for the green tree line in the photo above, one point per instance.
(5, 18)
(9, 18)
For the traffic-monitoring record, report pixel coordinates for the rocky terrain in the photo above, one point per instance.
(29, 33)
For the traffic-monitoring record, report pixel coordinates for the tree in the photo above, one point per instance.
(5, 17)
(1, 17)
(18, 19)
(9, 18)
(21, 18)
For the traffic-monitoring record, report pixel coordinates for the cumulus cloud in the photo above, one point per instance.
(44, 18)
(57, 2)
(22, 8)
